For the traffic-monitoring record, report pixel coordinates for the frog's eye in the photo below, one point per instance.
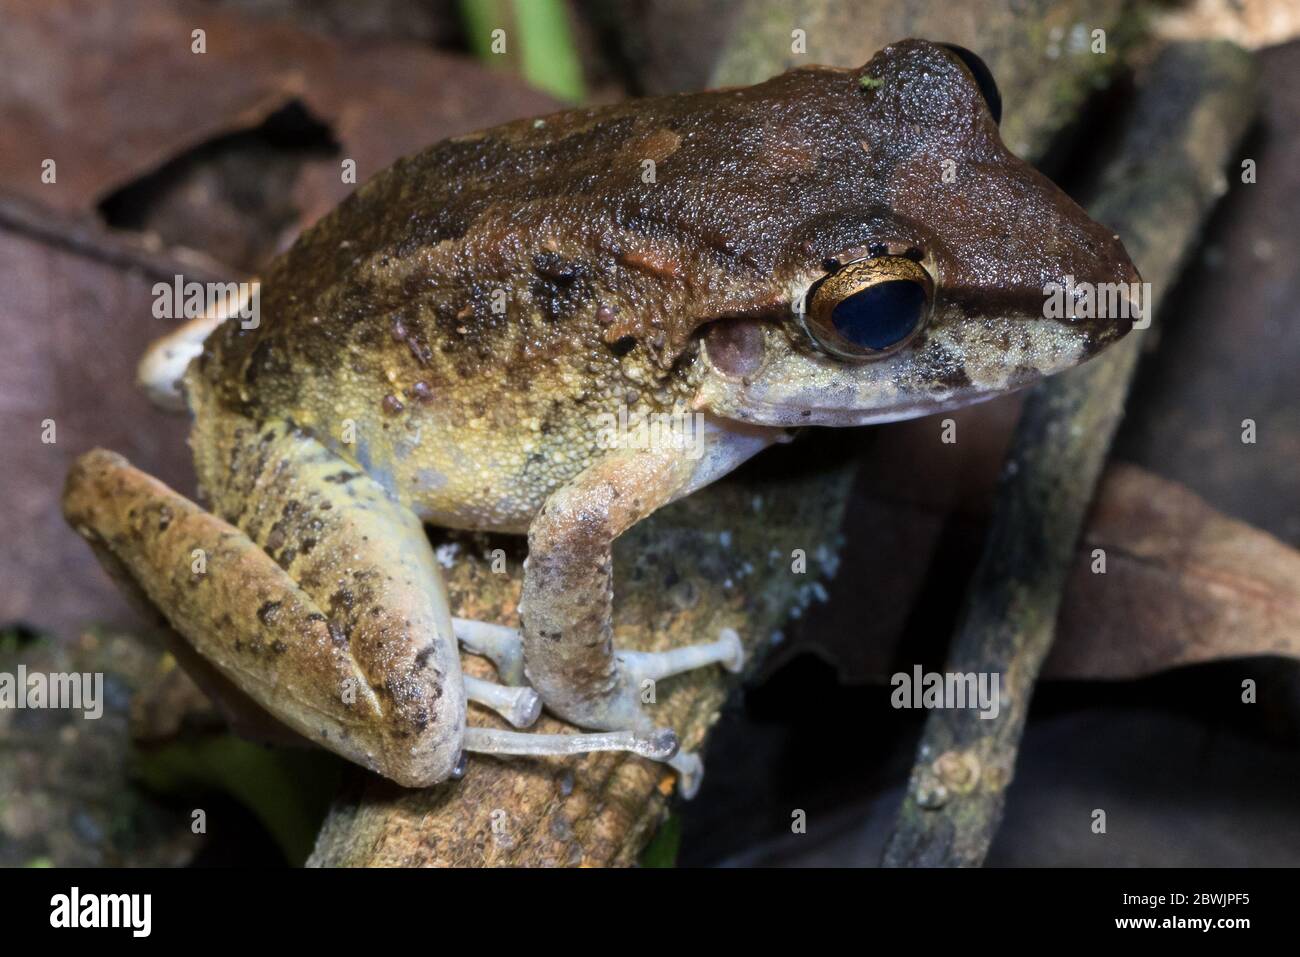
(983, 78)
(869, 307)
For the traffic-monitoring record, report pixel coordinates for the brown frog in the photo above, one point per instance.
(478, 336)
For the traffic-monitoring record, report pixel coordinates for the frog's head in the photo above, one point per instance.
(933, 268)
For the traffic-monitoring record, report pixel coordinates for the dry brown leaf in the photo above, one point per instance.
(1183, 584)
(74, 322)
(111, 90)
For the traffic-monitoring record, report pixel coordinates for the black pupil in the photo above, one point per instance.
(881, 315)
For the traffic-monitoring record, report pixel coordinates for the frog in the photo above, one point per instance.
(833, 247)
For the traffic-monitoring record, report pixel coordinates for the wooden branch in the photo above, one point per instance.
(1191, 109)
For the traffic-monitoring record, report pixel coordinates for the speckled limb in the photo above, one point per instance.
(354, 652)
(566, 607)
(567, 604)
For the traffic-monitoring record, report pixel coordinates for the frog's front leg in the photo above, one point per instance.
(567, 603)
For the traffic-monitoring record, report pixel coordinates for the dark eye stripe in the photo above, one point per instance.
(880, 316)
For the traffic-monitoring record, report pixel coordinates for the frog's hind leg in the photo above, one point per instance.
(345, 651)
(383, 546)
(311, 591)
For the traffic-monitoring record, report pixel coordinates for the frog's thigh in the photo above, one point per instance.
(328, 610)
(567, 603)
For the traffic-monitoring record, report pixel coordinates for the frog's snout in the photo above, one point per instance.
(1107, 305)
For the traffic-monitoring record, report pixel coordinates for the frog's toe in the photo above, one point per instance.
(623, 711)
(519, 705)
(498, 643)
(659, 744)
(622, 714)
(642, 666)
(690, 773)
